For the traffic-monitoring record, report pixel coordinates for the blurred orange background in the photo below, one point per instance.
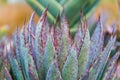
(14, 14)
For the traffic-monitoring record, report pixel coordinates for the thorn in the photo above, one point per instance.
(81, 13)
(58, 18)
(44, 15)
(33, 36)
(32, 16)
(85, 23)
(52, 30)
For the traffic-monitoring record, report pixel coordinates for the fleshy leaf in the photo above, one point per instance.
(78, 40)
(30, 27)
(96, 43)
(38, 64)
(99, 64)
(23, 55)
(37, 48)
(17, 42)
(105, 56)
(32, 75)
(65, 43)
(57, 37)
(17, 74)
(44, 34)
(38, 33)
(84, 54)
(70, 68)
(53, 72)
(49, 53)
(7, 74)
(32, 67)
(111, 65)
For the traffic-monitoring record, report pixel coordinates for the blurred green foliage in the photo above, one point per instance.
(71, 8)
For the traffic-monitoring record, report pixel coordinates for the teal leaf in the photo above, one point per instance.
(49, 53)
(105, 56)
(23, 55)
(37, 46)
(96, 43)
(65, 43)
(110, 70)
(7, 74)
(70, 68)
(53, 72)
(17, 74)
(84, 54)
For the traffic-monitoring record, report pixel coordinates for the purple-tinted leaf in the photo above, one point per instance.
(15, 68)
(7, 74)
(23, 54)
(17, 48)
(44, 34)
(78, 40)
(111, 65)
(32, 76)
(38, 63)
(100, 62)
(30, 32)
(30, 27)
(118, 71)
(57, 37)
(38, 33)
(53, 72)
(37, 48)
(96, 43)
(70, 68)
(105, 55)
(65, 43)
(84, 54)
(49, 53)
(32, 67)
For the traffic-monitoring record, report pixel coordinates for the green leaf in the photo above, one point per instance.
(53, 72)
(17, 42)
(84, 54)
(54, 7)
(7, 74)
(70, 68)
(65, 43)
(37, 46)
(24, 55)
(42, 4)
(110, 70)
(106, 54)
(96, 43)
(17, 74)
(32, 67)
(30, 29)
(49, 53)
(71, 8)
(99, 64)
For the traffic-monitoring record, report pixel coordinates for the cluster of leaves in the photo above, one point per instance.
(42, 52)
(4, 43)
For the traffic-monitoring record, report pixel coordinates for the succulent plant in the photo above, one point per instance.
(41, 52)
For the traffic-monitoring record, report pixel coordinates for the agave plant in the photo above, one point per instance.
(41, 52)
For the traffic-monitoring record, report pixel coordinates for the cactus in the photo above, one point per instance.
(41, 52)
